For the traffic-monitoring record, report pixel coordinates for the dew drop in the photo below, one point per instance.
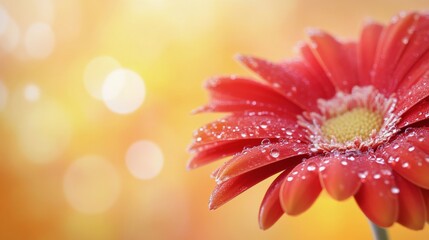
(274, 153)
(322, 168)
(395, 190)
(377, 176)
(265, 141)
(311, 166)
(288, 132)
(395, 146)
(289, 179)
(344, 163)
(410, 149)
(263, 125)
(405, 165)
(243, 135)
(363, 175)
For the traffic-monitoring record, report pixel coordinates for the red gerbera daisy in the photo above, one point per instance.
(350, 117)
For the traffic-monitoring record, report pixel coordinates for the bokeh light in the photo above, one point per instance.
(123, 91)
(91, 184)
(39, 40)
(96, 73)
(144, 159)
(11, 36)
(4, 20)
(32, 92)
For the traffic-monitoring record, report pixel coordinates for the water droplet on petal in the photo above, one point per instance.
(274, 153)
(363, 175)
(311, 166)
(405, 165)
(395, 190)
(377, 176)
(263, 125)
(344, 163)
(410, 149)
(265, 141)
(395, 146)
(289, 179)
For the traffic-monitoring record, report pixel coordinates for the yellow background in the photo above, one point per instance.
(173, 45)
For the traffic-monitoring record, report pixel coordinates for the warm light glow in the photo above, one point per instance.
(144, 159)
(11, 36)
(31, 92)
(44, 132)
(3, 95)
(91, 185)
(96, 73)
(123, 91)
(4, 20)
(39, 40)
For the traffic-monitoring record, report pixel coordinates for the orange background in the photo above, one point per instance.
(50, 125)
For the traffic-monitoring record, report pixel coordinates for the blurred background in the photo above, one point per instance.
(95, 102)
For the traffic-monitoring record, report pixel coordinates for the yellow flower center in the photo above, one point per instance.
(358, 122)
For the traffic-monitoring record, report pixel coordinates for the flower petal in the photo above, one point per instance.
(227, 190)
(244, 127)
(412, 209)
(332, 54)
(260, 156)
(340, 176)
(391, 46)
(375, 197)
(425, 193)
(230, 94)
(409, 97)
(287, 81)
(417, 113)
(212, 152)
(271, 209)
(301, 188)
(408, 156)
(367, 47)
(417, 45)
(318, 73)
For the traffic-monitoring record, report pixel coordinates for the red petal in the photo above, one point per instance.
(390, 48)
(340, 176)
(417, 113)
(245, 127)
(258, 157)
(332, 54)
(408, 97)
(318, 73)
(241, 94)
(229, 189)
(271, 209)
(412, 209)
(301, 188)
(287, 81)
(212, 152)
(375, 197)
(366, 51)
(416, 46)
(425, 193)
(407, 158)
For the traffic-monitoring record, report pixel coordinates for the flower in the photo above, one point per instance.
(349, 117)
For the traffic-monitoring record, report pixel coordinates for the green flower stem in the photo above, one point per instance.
(378, 233)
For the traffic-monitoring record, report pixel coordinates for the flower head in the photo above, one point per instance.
(349, 117)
